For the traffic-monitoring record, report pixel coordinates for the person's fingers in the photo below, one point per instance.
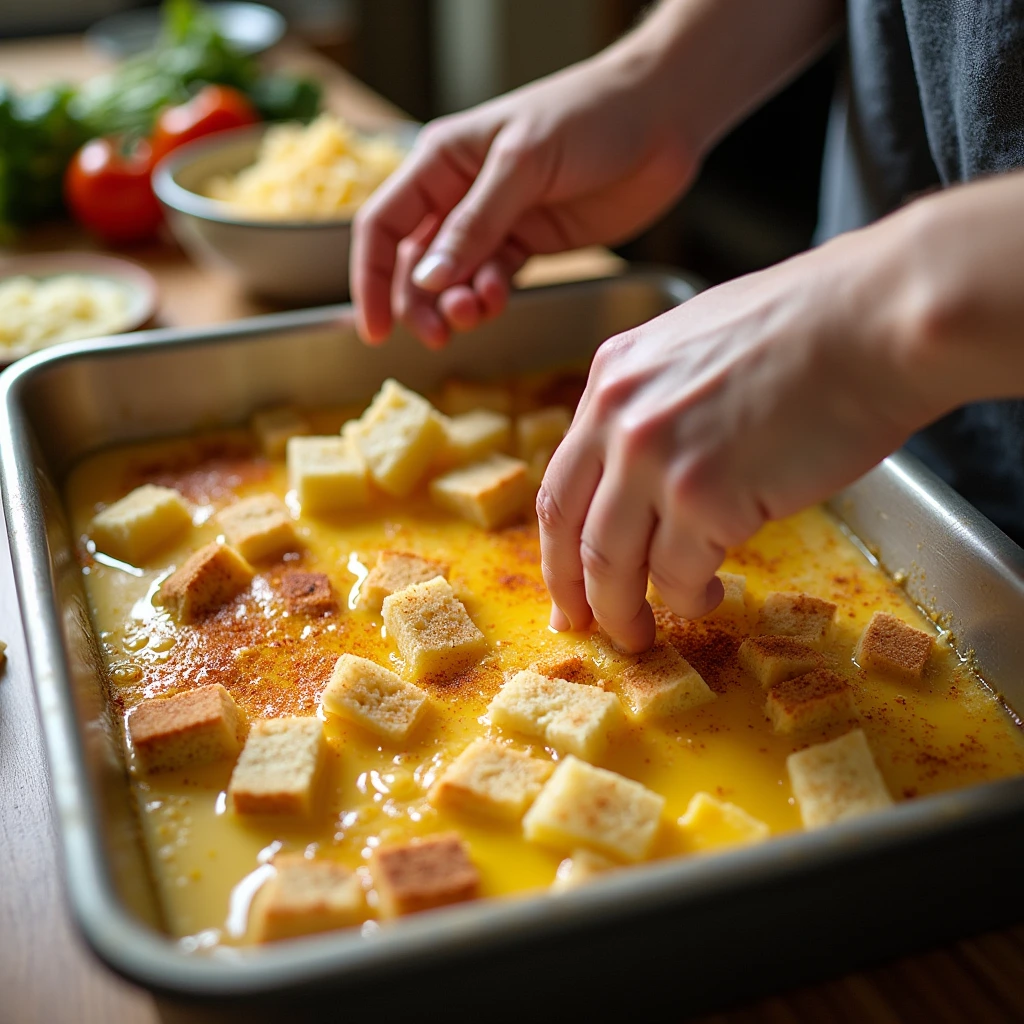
(461, 308)
(682, 567)
(508, 184)
(614, 549)
(410, 306)
(569, 483)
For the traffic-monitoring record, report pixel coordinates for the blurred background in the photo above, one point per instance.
(754, 203)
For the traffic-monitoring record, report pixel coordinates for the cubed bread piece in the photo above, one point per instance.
(394, 571)
(399, 436)
(734, 604)
(542, 430)
(490, 779)
(490, 493)
(890, 646)
(771, 659)
(280, 765)
(662, 682)
(328, 474)
(259, 527)
(307, 593)
(423, 874)
(461, 396)
(581, 867)
(573, 668)
(140, 523)
(210, 577)
(571, 717)
(432, 629)
(837, 780)
(586, 806)
(801, 616)
(304, 897)
(811, 701)
(472, 436)
(537, 466)
(710, 824)
(274, 428)
(374, 697)
(191, 728)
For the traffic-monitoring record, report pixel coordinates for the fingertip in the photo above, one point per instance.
(714, 594)
(638, 636)
(460, 307)
(428, 327)
(559, 621)
(434, 272)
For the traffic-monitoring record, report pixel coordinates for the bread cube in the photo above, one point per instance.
(537, 466)
(432, 629)
(491, 493)
(307, 593)
(661, 682)
(394, 571)
(811, 701)
(586, 806)
(210, 577)
(191, 728)
(801, 616)
(580, 867)
(571, 717)
(374, 697)
(327, 474)
(259, 527)
(472, 436)
(143, 521)
(837, 780)
(304, 897)
(423, 874)
(280, 765)
(734, 604)
(492, 780)
(462, 396)
(542, 430)
(710, 824)
(399, 436)
(771, 659)
(275, 427)
(888, 645)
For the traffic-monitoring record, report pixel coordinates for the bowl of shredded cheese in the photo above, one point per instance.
(54, 298)
(275, 203)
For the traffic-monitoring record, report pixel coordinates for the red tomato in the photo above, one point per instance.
(108, 190)
(213, 109)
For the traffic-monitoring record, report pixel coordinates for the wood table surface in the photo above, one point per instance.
(48, 976)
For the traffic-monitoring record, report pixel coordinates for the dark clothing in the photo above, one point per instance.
(933, 94)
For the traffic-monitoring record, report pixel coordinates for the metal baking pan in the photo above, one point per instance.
(690, 934)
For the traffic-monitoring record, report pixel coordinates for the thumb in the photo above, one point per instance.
(508, 185)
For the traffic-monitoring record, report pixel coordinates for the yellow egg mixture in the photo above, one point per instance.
(945, 731)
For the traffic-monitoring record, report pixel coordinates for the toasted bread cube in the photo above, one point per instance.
(399, 436)
(571, 717)
(274, 428)
(210, 577)
(837, 780)
(537, 465)
(734, 604)
(423, 874)
(890, 646)
(394, 571)
(191, 728)
(491, 493)
(813, 700)
(771, 659)
(586, 806)
(801, 616)
(710, 824)
(573, 668)
(140, 523)
(462, 396)
(661, 682)
(542, 430)
(259, 527)
(280, 765)
(472, 436)
(492, 780)
(580, 867)
(307, 593)
(374, 697)
(304, 897)
(432, 629)
(328, 474)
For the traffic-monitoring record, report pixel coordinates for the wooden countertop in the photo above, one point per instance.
(47, 975)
